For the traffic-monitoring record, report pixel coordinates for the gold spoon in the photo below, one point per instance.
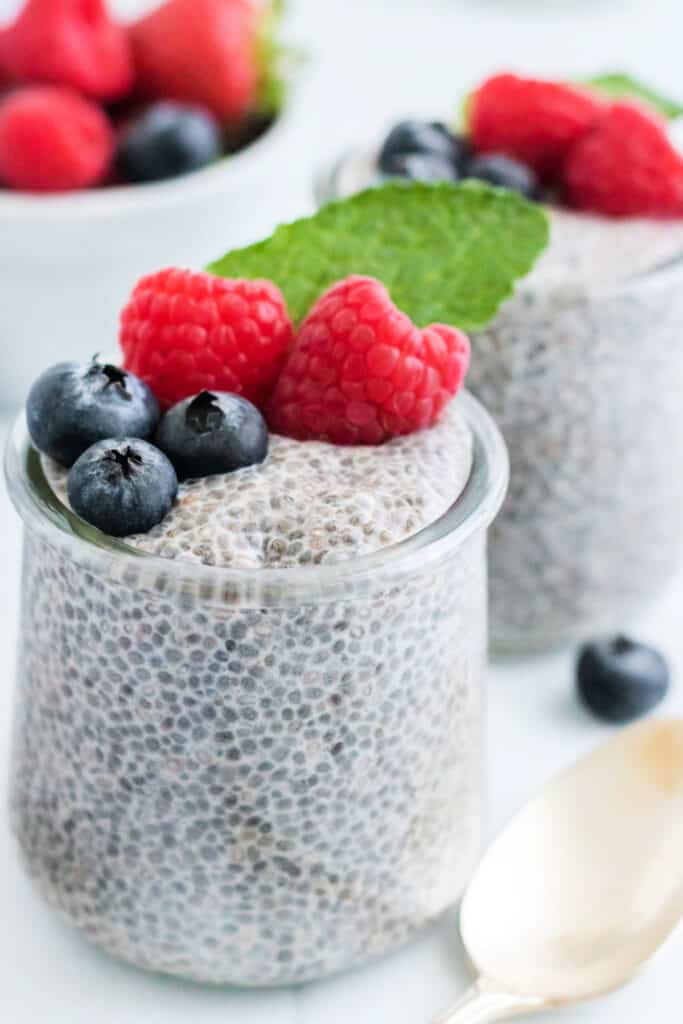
(584, 885)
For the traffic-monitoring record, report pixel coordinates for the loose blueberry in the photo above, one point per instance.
(212, 432)
(168, 139)
(122, 486)
(619, 679)
(73, 405)
(502, 170)
(429, 138)
(421, 167)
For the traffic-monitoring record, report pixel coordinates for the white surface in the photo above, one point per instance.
(375, 61)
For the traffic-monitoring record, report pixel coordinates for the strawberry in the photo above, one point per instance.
(626, 167)
(201, 52)
(360, 372)
(68, 42)
(533, 121)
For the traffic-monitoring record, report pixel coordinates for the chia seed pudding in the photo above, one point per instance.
(582, 369)
(248, 744)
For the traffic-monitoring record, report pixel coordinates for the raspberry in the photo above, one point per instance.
(185, 332)
(68, 42)
(53, 140)
(533, 121)
(200, 51)
(360, 372)
(626, 167)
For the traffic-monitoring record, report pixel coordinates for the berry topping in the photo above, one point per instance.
(166, 140)
(185, 332)
(122, 486)
(360, 372)
(73, 405)
(428, 138)
(626, 167)
(502, 170)
(213, 432)
(619, 679)
(421, 167)
(52, 140)
(68, 42)
(533, 121)
(202, 52)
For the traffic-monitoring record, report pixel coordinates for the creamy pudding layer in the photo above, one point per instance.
(587, 251)
(312, 503)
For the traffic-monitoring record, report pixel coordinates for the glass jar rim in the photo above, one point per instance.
(473, 510)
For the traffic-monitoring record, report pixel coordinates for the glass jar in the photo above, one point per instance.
(254, 777)
(584, 377)
(586, 388)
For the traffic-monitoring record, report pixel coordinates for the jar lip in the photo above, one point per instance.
(474, 510)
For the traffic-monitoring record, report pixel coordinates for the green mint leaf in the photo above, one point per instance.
(447, 253)
(621, 86)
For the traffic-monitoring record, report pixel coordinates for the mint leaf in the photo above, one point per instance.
(447, 253)
(620, 86)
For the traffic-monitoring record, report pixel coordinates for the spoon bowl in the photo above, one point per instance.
(584, 885)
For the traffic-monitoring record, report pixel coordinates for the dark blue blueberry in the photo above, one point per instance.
(122, 486)
(212, 432)
(73, 405)
(428, 138)
(503, 171)
(619, 679)
(421, 167)
(166, 140)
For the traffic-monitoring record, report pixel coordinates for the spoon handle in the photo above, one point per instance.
(484, 1004)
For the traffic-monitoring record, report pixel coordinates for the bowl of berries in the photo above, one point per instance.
(124, 146)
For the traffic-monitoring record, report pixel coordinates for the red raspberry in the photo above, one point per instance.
(531, 120)
(53, 140)
(68, 42)
(626, 167)
(360, 372)
(200, 51)
(185, 332)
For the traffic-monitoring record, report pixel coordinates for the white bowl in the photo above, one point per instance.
(68, 262)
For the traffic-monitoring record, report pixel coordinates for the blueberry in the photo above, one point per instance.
(166, 140)
(212, 432)
(73, 405)
(122, 486)
(619, 679)
(461, 150)
(421, 167)
(505, 172)
(428, 138)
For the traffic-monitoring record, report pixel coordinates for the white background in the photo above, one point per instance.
(370, 62)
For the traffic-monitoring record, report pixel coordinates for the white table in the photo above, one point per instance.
(377, 60)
